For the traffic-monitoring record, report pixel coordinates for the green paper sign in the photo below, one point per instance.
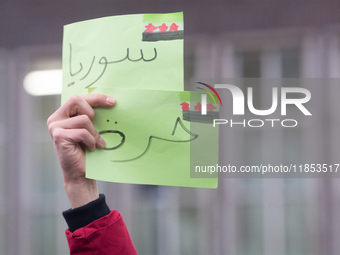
(128, 51)
(138, 59)
(148, 141)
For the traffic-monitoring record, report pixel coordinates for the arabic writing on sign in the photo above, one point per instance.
(103, 61)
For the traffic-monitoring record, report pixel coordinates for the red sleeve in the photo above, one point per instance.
(107, 235)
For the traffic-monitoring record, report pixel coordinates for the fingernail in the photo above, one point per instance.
(101, 143)
(111, 100)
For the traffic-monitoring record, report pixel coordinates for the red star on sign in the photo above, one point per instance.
(185, 106)
(210, 107)
(173, 27)
(150, 28)
(198, 107)
(163, 28)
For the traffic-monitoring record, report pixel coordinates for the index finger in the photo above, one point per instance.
(78, 105)
(99, 100)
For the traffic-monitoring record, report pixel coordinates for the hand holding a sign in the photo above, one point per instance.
(72, 131)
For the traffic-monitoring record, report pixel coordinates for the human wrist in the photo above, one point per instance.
(82, 192)
(84, 215)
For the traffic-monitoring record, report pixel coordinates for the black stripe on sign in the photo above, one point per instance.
(153, 37)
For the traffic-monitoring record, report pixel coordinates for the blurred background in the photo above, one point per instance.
(243, 38)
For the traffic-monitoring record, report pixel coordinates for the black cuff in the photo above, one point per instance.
(81, 216)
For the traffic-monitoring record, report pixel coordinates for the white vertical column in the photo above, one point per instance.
(168, 222)
(314, 65)
(230, 152)
(22, 202)
(227, 59)
(273, 189)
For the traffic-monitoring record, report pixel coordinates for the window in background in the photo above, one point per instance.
(291, 62)
(266, 224)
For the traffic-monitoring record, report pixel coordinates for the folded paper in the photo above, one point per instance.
(138, 59)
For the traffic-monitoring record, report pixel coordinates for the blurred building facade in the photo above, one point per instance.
(264, 38)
